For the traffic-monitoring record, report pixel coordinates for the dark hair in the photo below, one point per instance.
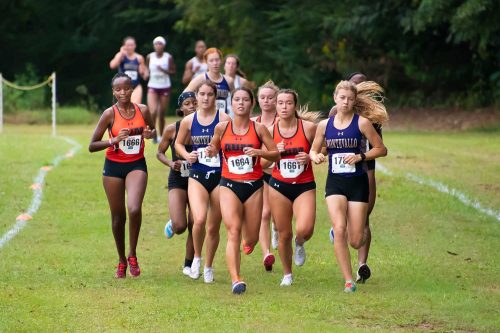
(353, 74)
(119, 75)
(245, 89)
(127, 38)
(238, 70)
(207, 83)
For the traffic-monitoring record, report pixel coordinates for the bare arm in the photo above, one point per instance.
(188, 73)
(271, 152)
(310, 131)
(378, 148)
(96, 143)
(315, 153)
(117, 59)
(194, 83)
(183, 137)
(166, 140)
(143, 70)
(171, 66)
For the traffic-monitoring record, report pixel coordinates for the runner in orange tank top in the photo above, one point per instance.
(241, 184)
(125, 168)
(292, 189)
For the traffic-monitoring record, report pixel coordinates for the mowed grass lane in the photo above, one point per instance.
(58, 272)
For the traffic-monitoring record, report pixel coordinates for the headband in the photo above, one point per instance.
(185, 95)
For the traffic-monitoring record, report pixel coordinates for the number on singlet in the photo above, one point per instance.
(221, 105)
(290, 168)
(131, 145)
(339, 165)
(132, 74)
(185, 167)
(240, 165)
(213, 162)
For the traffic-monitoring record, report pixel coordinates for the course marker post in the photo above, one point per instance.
(54, 104)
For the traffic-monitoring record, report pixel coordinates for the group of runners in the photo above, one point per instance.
(228, 165)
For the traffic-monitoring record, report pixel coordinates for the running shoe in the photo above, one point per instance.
(331, 235)
(169, 231)
(247, 249)
(186, 270)
(239, 287)
(135, 270)
(300, 254)
(195, 269)
(363, 273)
(121, 271)
(208, 275)
(269, 261)
(349, 286)
(287, 280)
(274, 237)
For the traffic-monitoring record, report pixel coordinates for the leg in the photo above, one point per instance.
(135, 184)
(282, 212)
(177, 202)
(252, 216)
(304, 209)
(364, 250)
(264, 233)
(356, 220)
(153, 104)
(115, 191)
(137, 95)
(213, 227)
(232, 215)
(189, 239)
(337, 209)
(198, 197)
(162, 110)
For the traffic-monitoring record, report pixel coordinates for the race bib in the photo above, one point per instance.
(240, 165)
(339, 165)
(131, 145)
(213, 162)
(290, 168)
(185, 167)
(132, 74)
(221, 105)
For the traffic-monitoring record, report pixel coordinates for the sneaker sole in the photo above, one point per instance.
(239, 289)
(364, 273)
(269, 261)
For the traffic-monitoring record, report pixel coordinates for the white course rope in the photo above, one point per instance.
(37, 188)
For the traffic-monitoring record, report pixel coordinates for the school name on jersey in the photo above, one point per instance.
(292, 151)
(201, 139)
(342, 143)
(236, 146)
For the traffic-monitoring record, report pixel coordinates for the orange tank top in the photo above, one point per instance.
(287, 169)
(237, 165)
(132, 148)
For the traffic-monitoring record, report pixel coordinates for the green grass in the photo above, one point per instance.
(66, 115)
(58, 272)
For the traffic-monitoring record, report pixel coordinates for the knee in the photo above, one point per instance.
(266, 214)
(180, 228)
(118, 220)
(356, 242)
(134, 211)
(285, 235)
(340, 232)
(198, 221)
(213, 231)
(306, 232)
(233, 234)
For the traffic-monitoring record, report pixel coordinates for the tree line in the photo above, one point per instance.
(423, 52)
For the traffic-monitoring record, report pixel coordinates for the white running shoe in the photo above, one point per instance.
(287, 280)
(186, 270)
(195, 268)
(300, 254)
(208, 275)
(274, 237)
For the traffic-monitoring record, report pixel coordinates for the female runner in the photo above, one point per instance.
(203, 184)
(266, 97)
(125, 169)
(241, 184)
(131, 63)
(292, 186)
(178, 180)
(347, 188)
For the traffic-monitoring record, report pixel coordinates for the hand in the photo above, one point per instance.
(210, 150)
(192, 157)
(252, 151)
(318, 158)
(352, 159)
(302, 158)
(122, 50)
(148, 133)
(281, 146)
(176, 165)
(122, 135)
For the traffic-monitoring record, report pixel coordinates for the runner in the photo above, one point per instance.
(204, 176)
(196, 65)
(131, 63)
(224, 83)
(266, 96)
(232, 69)
(364, 272)
(161, 65)
(292, 185)
(347, 188)
(241, 184)
(178, 180)
(125, 168)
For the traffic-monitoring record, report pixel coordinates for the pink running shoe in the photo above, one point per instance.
(135, 271)
(247, 249)
(121, 271)
(269, 261)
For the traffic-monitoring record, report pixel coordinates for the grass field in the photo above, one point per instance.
(434, 260)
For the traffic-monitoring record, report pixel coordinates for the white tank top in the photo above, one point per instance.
(195, 63)
(237, 83)
(157, 78)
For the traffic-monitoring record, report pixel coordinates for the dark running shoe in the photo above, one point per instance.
(363, 273)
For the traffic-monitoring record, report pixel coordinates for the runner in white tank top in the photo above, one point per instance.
(196, 65)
